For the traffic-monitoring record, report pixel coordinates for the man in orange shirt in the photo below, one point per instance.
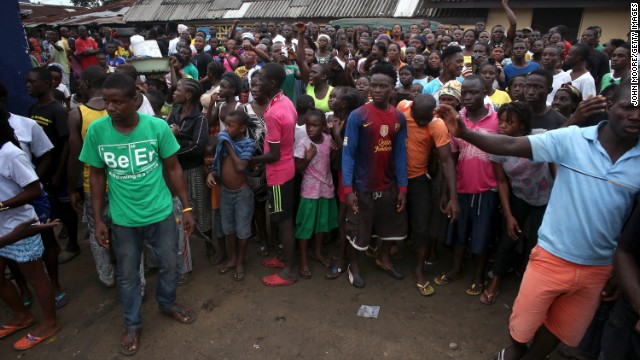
(423, 133)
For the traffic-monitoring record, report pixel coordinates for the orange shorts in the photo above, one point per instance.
(560, 294)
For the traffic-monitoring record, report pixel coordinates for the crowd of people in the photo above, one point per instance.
(513, 146)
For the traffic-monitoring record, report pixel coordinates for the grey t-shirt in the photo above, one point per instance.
(530, 181)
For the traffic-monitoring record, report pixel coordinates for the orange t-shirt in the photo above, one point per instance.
(420, 140)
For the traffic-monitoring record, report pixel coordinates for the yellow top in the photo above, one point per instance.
(89, 115)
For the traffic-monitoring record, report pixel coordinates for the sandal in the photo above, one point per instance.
(273, 263)
(225, 269)
(305, 274)
(30, 341)
(277, 280)
(334, 272)
(444, 279)
(355, 280)
(426, 289)
(372, 252)
(179, 313)
(132, 338)
(474, 289)
(6, 330)
(392, 271)
(488, 299)
(238, 276)
(61, 300)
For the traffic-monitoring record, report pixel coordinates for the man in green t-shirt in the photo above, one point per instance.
(131, 150)
(279, 55)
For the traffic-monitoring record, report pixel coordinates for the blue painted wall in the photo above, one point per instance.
(14, 61)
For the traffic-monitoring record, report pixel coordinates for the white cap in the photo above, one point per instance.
(182, 28)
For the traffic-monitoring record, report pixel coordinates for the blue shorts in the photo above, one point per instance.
(477, 222)
(42, 206)
(236, 211)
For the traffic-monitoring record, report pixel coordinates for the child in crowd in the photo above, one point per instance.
(317, 211)
(516, 87)
(524, 188)
(56, 76)
(406, 74)
(416, 89)
(342, 101)
(233, 153)
(363, 86)
(303, 105)
(489, 72)
(226, 100)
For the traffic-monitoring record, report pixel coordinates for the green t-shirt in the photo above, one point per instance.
(138, 193)
(289, 85)
(192, 71)
(607, 80)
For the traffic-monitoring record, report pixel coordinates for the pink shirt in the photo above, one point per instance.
(474, 171)
(280, 124)
(316, 179)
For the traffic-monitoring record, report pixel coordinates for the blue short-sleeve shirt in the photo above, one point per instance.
(591, 198)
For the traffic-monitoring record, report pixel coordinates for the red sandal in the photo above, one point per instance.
(273, 262)
(277, 280)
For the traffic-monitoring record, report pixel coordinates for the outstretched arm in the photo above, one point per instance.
(300, 58)
(493, 144)
(511, 32)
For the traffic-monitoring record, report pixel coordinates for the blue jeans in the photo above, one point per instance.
(128, 244)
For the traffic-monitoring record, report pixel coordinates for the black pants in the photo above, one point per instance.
(521, 211)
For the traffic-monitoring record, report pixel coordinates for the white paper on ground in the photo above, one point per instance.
(369, 311)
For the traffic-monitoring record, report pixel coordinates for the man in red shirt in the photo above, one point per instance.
(86, 48)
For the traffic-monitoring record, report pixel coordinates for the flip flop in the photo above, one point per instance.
(474, 290)
(444, 279)
(273, 263)
(6, 330)
(426, 289)
(225, 269)
(180, 314)
(305, 274)
(334, 272)
(488, 299)
(133, 336)
(392, 271)
(30, 341)
(276, 280)
(238, 276)
(355, 280)
(372, 252)
(61, 300)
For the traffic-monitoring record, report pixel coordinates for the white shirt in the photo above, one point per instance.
(585, 83)
(172, 46)
(145, 107)
(559, 79)
(16, 172)
(31, 137)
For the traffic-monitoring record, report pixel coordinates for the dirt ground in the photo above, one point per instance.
(314, 319)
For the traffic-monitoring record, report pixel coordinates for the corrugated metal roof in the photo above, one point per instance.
(184, 10)
(107, 14)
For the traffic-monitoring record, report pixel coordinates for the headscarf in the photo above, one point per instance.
(451, 88)
(326, 37)
(383, 37)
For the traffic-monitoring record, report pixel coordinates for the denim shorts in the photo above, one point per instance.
(236, 211)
